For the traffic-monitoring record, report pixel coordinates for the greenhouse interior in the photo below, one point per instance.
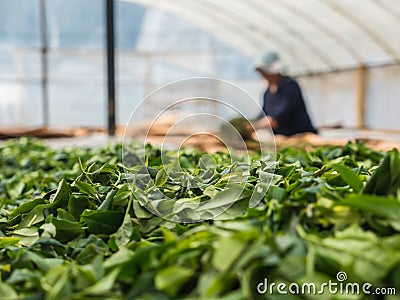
(199, 149)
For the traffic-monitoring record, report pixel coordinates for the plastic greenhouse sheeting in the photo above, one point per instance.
(159, 41)
(312, 35)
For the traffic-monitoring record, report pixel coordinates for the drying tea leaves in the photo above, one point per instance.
(74, 223)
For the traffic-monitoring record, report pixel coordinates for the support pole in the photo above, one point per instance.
(44, 71)
(110, 67)
(361, 78)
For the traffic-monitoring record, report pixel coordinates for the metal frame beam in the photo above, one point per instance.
(314, 21)
(311, 45)
(109, 5)
(368, 31)
(44, 62)
(260, 34)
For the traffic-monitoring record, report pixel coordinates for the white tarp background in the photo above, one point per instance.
(170, 40)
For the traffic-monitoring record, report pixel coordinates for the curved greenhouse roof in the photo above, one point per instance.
(160, 41)
(311, 35)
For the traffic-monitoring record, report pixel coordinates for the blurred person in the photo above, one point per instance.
(283, 103)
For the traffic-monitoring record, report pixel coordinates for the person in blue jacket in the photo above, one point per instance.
(283, 103)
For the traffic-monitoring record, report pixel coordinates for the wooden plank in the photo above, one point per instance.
(361, 81)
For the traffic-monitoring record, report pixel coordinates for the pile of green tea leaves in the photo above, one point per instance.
(71, 228)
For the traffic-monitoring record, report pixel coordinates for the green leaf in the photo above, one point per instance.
(77, 204)
(105, 222)
(121, 198)
(119, 258)
(65, 215)
(349, 176)
(35, 216)
(386, 179)
(66, 230)
(260, 190)
(61, 197)
(171, 279)
(26, 207)
(57, 284)
(104, 285)
(211, 285)
(8, 241)
(88, 254)
(207, 162)
(26, 236)
(276, 192)
(140, 212)
(225, 198)
(81, 244)
(86, 188)
(360, 253)
(106, 204)
(161, 177)
(7, 292)
(123, 234)
(228, 249)
(382, 206)
(15, 188)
